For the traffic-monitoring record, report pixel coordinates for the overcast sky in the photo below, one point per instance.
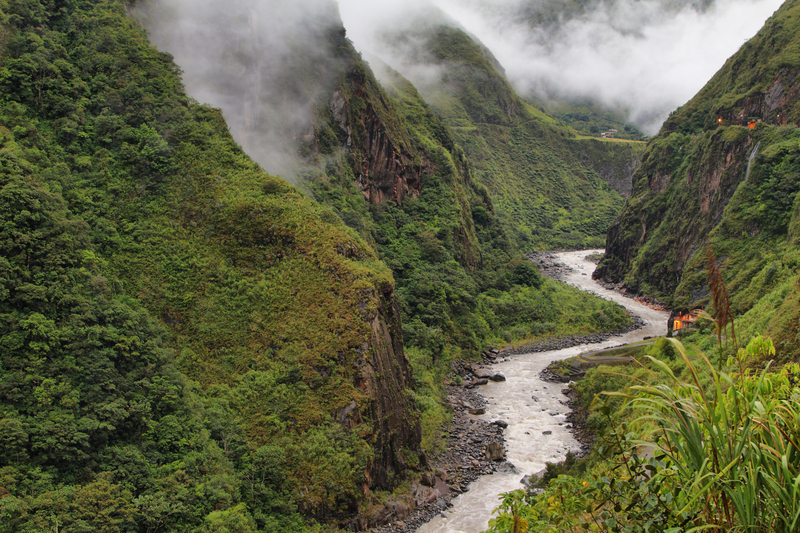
(645, 56)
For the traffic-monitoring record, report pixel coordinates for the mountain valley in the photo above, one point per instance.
(244, 264)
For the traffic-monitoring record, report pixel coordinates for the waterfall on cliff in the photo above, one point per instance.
(750, 160)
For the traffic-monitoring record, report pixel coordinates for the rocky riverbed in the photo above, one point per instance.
(577, 419)
(542, 424)
(474, 447)
(549, 265)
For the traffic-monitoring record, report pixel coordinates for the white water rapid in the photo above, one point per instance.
(527, 447)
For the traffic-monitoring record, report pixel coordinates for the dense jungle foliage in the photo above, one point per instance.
(183, 335)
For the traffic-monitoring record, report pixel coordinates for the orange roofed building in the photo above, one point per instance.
(685, 320)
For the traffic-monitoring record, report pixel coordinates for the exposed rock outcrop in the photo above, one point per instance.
(386, 170)
(386, 377)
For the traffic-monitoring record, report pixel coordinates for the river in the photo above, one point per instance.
(527, 447)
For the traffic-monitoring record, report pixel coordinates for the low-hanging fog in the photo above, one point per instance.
(642, 58)
(265, 63)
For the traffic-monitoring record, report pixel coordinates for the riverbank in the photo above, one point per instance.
(463, 461)
(541, 420)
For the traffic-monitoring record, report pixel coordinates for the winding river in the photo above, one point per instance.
(527, 447)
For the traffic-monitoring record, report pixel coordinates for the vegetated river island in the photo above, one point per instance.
(535, 435)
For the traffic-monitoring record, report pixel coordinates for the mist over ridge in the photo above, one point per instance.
(642, 58)
(265, 64)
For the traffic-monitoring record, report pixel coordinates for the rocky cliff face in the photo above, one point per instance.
(723, 177)
(671, 211)
(387, 160)
(386, 377)
(545, 194)
(773, 106)
(385, 170)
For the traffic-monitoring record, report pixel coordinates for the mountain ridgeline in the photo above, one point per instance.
(193, 344)
(723, 177)
(551, 187)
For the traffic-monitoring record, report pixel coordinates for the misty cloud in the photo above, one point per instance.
(641, 57)
(265, 64)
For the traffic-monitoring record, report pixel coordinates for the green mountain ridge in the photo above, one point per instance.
(134, 228)
(543, 178)
(722, 177)
(191, 344)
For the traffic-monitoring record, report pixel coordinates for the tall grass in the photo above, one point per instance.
(731, 445)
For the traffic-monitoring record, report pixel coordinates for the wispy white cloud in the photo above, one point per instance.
(644, 57)
(263, 63)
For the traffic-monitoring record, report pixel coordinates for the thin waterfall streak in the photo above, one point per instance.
(750, 160)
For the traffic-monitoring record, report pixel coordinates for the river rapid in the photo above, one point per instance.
(527, 447)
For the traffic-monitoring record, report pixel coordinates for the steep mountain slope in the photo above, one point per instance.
(191, 344)
(386, 164)
(723, 176)
(398, 176)
(541, 176)
(134, 228)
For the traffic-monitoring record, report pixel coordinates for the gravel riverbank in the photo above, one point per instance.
(464, 459)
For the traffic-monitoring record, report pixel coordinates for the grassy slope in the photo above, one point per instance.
(701, 164)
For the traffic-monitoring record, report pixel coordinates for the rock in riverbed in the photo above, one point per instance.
(495, 452)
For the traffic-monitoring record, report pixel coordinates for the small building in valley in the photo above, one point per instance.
(683, 321)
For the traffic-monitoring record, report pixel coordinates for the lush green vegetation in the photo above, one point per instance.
(546, 190)
(592, 120)
(683, 447)
(701, 435)
(460, 282)
(134, 229)
(709, 182)
(184, 335)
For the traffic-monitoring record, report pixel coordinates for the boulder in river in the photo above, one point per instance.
(477, 411)
(483, 373)
(500, 423)
(508, 468)
(497, 377)
(494, 451)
